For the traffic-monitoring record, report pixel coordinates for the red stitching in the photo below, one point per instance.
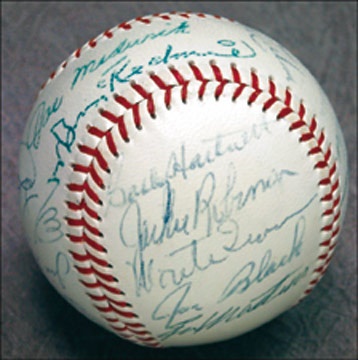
(129, 106)
(162, 16)
(84, 188)
(185, 15)
(238, 91)
(117, 121)
(100, 284)
(83, 223)
(92, 43)
(288, 97)
(218, 77)
(92, 271)
(96, 154)
(78, 53)
(284, 112)
(94, 245)
(109, 309)
(177, 75)
(143, 20)
(196, 71)
(108, 33)
(90, 170)
(136, 332)
(126, 26)
(147, 96)
(162, 85)
(83, 206)
(87, 257)
(103, 298)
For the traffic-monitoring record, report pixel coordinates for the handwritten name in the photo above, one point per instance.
(252, 273)
(61, 268)
(64, 133)
(92, 66)
(123, 70)
(39, 119)
(47, 225)
(214, 215)
(180, 164)
(182, 317)
(289, 64)
(241, 51)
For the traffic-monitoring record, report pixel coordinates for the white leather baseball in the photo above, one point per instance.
(183, 179)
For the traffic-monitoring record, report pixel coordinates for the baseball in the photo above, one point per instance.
(183, 179)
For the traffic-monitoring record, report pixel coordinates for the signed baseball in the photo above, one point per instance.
(182, 179)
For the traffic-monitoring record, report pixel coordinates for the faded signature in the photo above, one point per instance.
(180, 316)
(213, 215)
(180, 164)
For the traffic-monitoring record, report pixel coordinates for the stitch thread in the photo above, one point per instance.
(106, 281)
(88, 252)
(124, 26)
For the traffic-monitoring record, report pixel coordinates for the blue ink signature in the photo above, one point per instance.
(47, 224)
(119, 75)
(61, 268)
(165, 310)
(122, 71)
(288, 63)
(39, 119)
(252, 273)
(46, 219)
(209, 219)
(245, 51)
(181, 317)
(197, 262)
(95, 64)
(180, 164)
(65, 134)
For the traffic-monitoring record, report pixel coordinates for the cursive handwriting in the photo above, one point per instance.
(213, 215)
(92, 66)
(47, 222)
(182, 317)
(39, 119)
(166, 311)
(61, 268)
(287, 61)
(252, 272)
(64, 134)
(180, 164)
(123, 70)
(243, 51)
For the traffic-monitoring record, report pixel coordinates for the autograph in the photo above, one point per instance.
(47, 226)
(61, 269)
(288, 63)
(180, 164)
(181, 317)
(123, 70)
(243, 51)
(214, 215)
(39, 119)
(251, 273)
(95, 64)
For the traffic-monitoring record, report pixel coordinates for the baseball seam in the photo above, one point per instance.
(86, 240)
(124, 26)
(90, 255)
